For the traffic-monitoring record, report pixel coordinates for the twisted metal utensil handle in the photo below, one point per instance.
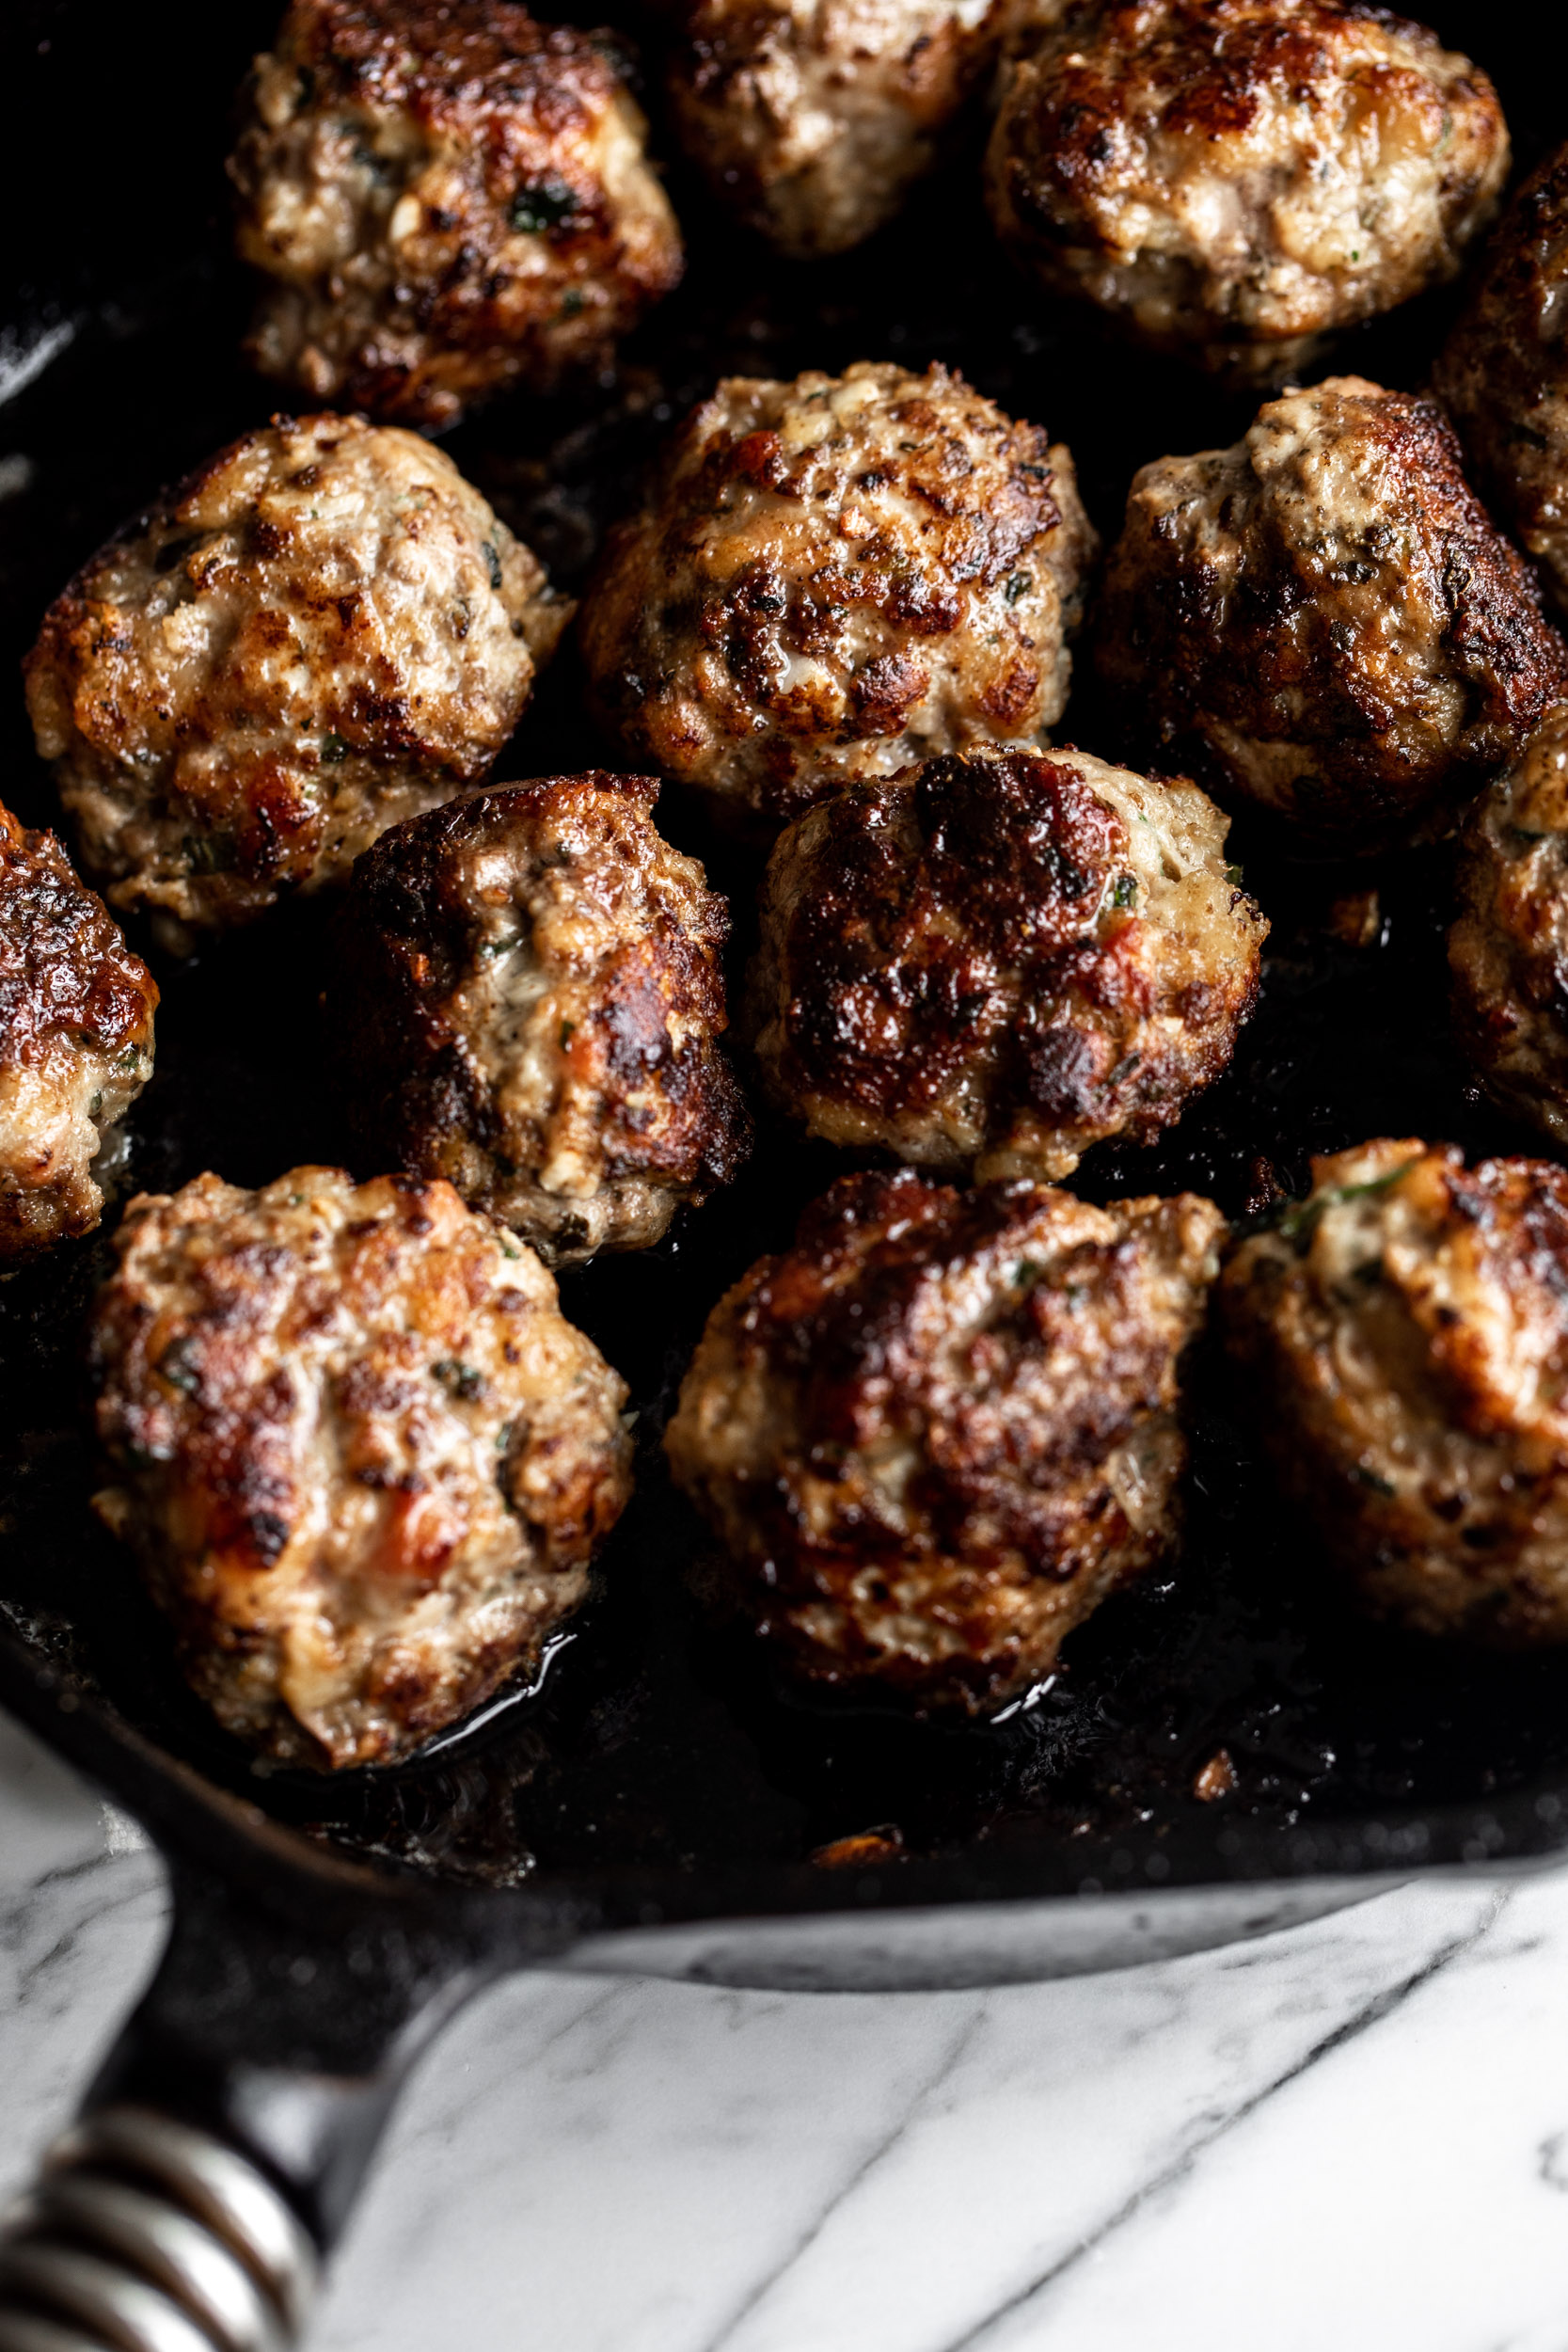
(145, 2234)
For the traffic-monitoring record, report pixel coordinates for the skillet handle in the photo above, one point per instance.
(219, 2151)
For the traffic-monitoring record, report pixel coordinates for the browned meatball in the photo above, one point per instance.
(75, 1043)
(812, 122)
(1325, 622)
(1503, 373)
(1237, 178)
(323, 630)
(1404, 1335)
(529, 1003)
(1509, 950)
(449, 199)
(936, 1432)
(362, 1457)
(997, 962)
(832, 578)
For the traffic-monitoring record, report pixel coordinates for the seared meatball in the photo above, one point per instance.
(1503, 375)
(323, 630)
(1509, 950)
(832, 577)
(363, 1459)
(936, 1432)
(529, 1002)
(997, 962)
(449, 199)
(75, 1043)
(1324, 621)
(811, 120)
(1235, 178)
(1404, 1335)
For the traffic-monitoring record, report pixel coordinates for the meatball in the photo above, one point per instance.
(941, 1428)
(1324, 621)
(834, 577)
(448, 199)
(1234, 179)
(75, 1043)
(1509, 950)
(813, 122)
(1404, 1332)
(1503, 373)
(363, 1459)
(997, 962)
(323, 630)
(529, 1002)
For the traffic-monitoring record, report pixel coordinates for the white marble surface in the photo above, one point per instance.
(1350, 2139)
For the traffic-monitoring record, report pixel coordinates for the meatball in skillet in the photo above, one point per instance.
(813, 121)
(935, 1433)
(75, 1043)
(1235, 179)
(1503, 373)
(833, 577)
(1323, 621)
(361, 1455)
(1404, 1334)
(530, 1000)
(323, 630)
(447, 200)
(1509, 950)
(995, 962)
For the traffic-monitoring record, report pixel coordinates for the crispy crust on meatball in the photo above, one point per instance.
(1509, 950)
(361, 1455)
(529, 1001)
(1503, 373)
(77, 1011)
(1237, 178)
(812, 122)
(321, 632)
(1323, 620)
(1405, 1335)
(941, 1428)
(448, 199)
(997, 962)
(833, 577)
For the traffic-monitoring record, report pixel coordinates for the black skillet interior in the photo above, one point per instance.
(655, 1746)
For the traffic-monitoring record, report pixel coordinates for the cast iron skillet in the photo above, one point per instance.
(654, 1802)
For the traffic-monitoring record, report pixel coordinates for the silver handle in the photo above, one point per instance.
(145, 2234)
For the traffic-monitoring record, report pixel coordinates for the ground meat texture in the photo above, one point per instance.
(942, 1427)
(1234, 179)
(812, 121)
(530, 1000)
(322, 631)
(991, 963)
(832, 578)
(1509, 950)
(1324, 623)
(448, 199)
(1503, 373)
(75, 1043)
(361, 1455)
(1404, 1335)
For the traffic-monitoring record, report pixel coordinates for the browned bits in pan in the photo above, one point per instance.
(446, 199)
(363, 1459)
(1323, 620)
(77, 1011)
(529, 1000)
(322, 630)
(1403, 1332)
(833, 577)
(995, 962)
(938, 1430)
